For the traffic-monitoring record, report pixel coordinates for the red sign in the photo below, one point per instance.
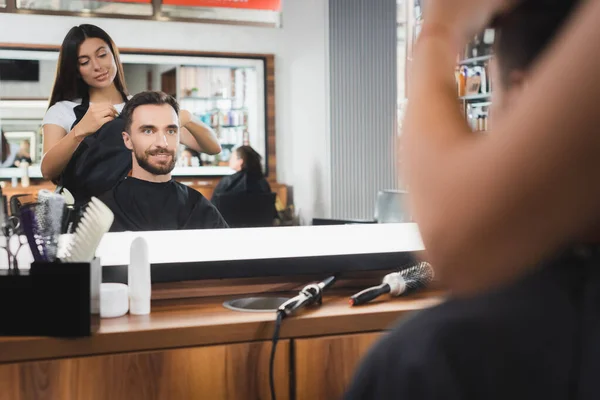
(273, 5)
(127, 1)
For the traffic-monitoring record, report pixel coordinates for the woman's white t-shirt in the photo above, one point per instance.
(62, 113)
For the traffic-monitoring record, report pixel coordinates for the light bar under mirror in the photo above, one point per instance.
(252, 252)
(263, 243)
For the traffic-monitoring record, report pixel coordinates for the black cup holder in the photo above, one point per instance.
(255, 304)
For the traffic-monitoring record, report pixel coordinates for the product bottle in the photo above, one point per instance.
(139, 279)
(25, 175)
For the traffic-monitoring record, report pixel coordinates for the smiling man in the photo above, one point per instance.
(150, 199)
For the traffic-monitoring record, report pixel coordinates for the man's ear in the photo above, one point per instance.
(127, 140)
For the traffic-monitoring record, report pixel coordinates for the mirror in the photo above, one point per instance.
(229, 94)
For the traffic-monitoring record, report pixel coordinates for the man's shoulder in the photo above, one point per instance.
(192, 193)
(107, 197)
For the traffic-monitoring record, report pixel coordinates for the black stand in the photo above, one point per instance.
(51, 299)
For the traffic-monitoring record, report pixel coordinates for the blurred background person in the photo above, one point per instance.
(10, 152)
(248, 178)
(190, 158)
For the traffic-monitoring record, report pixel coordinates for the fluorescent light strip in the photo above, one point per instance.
(263, 243)
(251, 244)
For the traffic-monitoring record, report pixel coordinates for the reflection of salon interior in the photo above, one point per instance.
(227, 94)
(317, 90)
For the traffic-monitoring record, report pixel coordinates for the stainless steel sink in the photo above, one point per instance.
(255, 304)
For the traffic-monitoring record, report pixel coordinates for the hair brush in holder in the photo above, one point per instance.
(96, 221)
(49, 214)
(30, 227)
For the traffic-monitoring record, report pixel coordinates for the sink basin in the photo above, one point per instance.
(255, 304)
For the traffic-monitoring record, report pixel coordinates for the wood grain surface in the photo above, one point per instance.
(324, 367)
(232, 372)
(200, 322)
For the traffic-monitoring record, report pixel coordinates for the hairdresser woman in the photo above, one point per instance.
(83, 145)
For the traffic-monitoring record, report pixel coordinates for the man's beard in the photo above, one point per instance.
(155, 169)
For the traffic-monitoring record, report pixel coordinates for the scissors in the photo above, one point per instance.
(9, 229)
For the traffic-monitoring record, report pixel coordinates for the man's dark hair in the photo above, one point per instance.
(145, 98)
(524, 33)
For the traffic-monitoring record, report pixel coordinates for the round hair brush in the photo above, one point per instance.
(397, 283)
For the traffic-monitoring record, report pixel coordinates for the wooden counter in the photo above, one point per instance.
(201, 322)
(206, 186)
(188, 349)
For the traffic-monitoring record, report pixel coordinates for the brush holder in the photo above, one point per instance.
(51, 299)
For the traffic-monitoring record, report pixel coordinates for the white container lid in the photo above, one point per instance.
(114, 300)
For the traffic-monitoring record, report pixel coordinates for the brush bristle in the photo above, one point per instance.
(418, 275)
(30, 227)
(96, 221)
(49, 213)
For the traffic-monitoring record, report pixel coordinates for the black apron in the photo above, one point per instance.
(100, 161)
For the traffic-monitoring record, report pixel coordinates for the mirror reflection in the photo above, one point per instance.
(66, 126)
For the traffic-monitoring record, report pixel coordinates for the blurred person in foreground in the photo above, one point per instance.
(509, 219)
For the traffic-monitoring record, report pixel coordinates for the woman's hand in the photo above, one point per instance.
(184, 118)
(196, 135)
(97, 115)
(463, 18)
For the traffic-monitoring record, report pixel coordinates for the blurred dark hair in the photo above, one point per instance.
(251, 159)
(5, 150)
(193, 152)
(145, 98)
(68, 84)
(525, 32)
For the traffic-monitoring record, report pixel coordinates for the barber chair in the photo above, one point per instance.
(390, 207)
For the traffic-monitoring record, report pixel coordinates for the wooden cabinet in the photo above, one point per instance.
(206, 187)
(191, 347)
(228, 372)
(168, 82)
(324, 366)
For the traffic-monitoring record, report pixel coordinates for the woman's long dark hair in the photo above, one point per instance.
(252, 160)
(5, 149)
(68, 84)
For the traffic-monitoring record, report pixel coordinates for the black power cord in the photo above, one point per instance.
(280, 315)
(311, 294)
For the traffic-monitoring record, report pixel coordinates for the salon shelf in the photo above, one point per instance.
(207, 98)
(475, 60)
(36, 173)
(475, 97)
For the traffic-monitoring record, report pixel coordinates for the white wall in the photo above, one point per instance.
(157, 70)
(302, 99)
(136, 77)
(303, 93)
